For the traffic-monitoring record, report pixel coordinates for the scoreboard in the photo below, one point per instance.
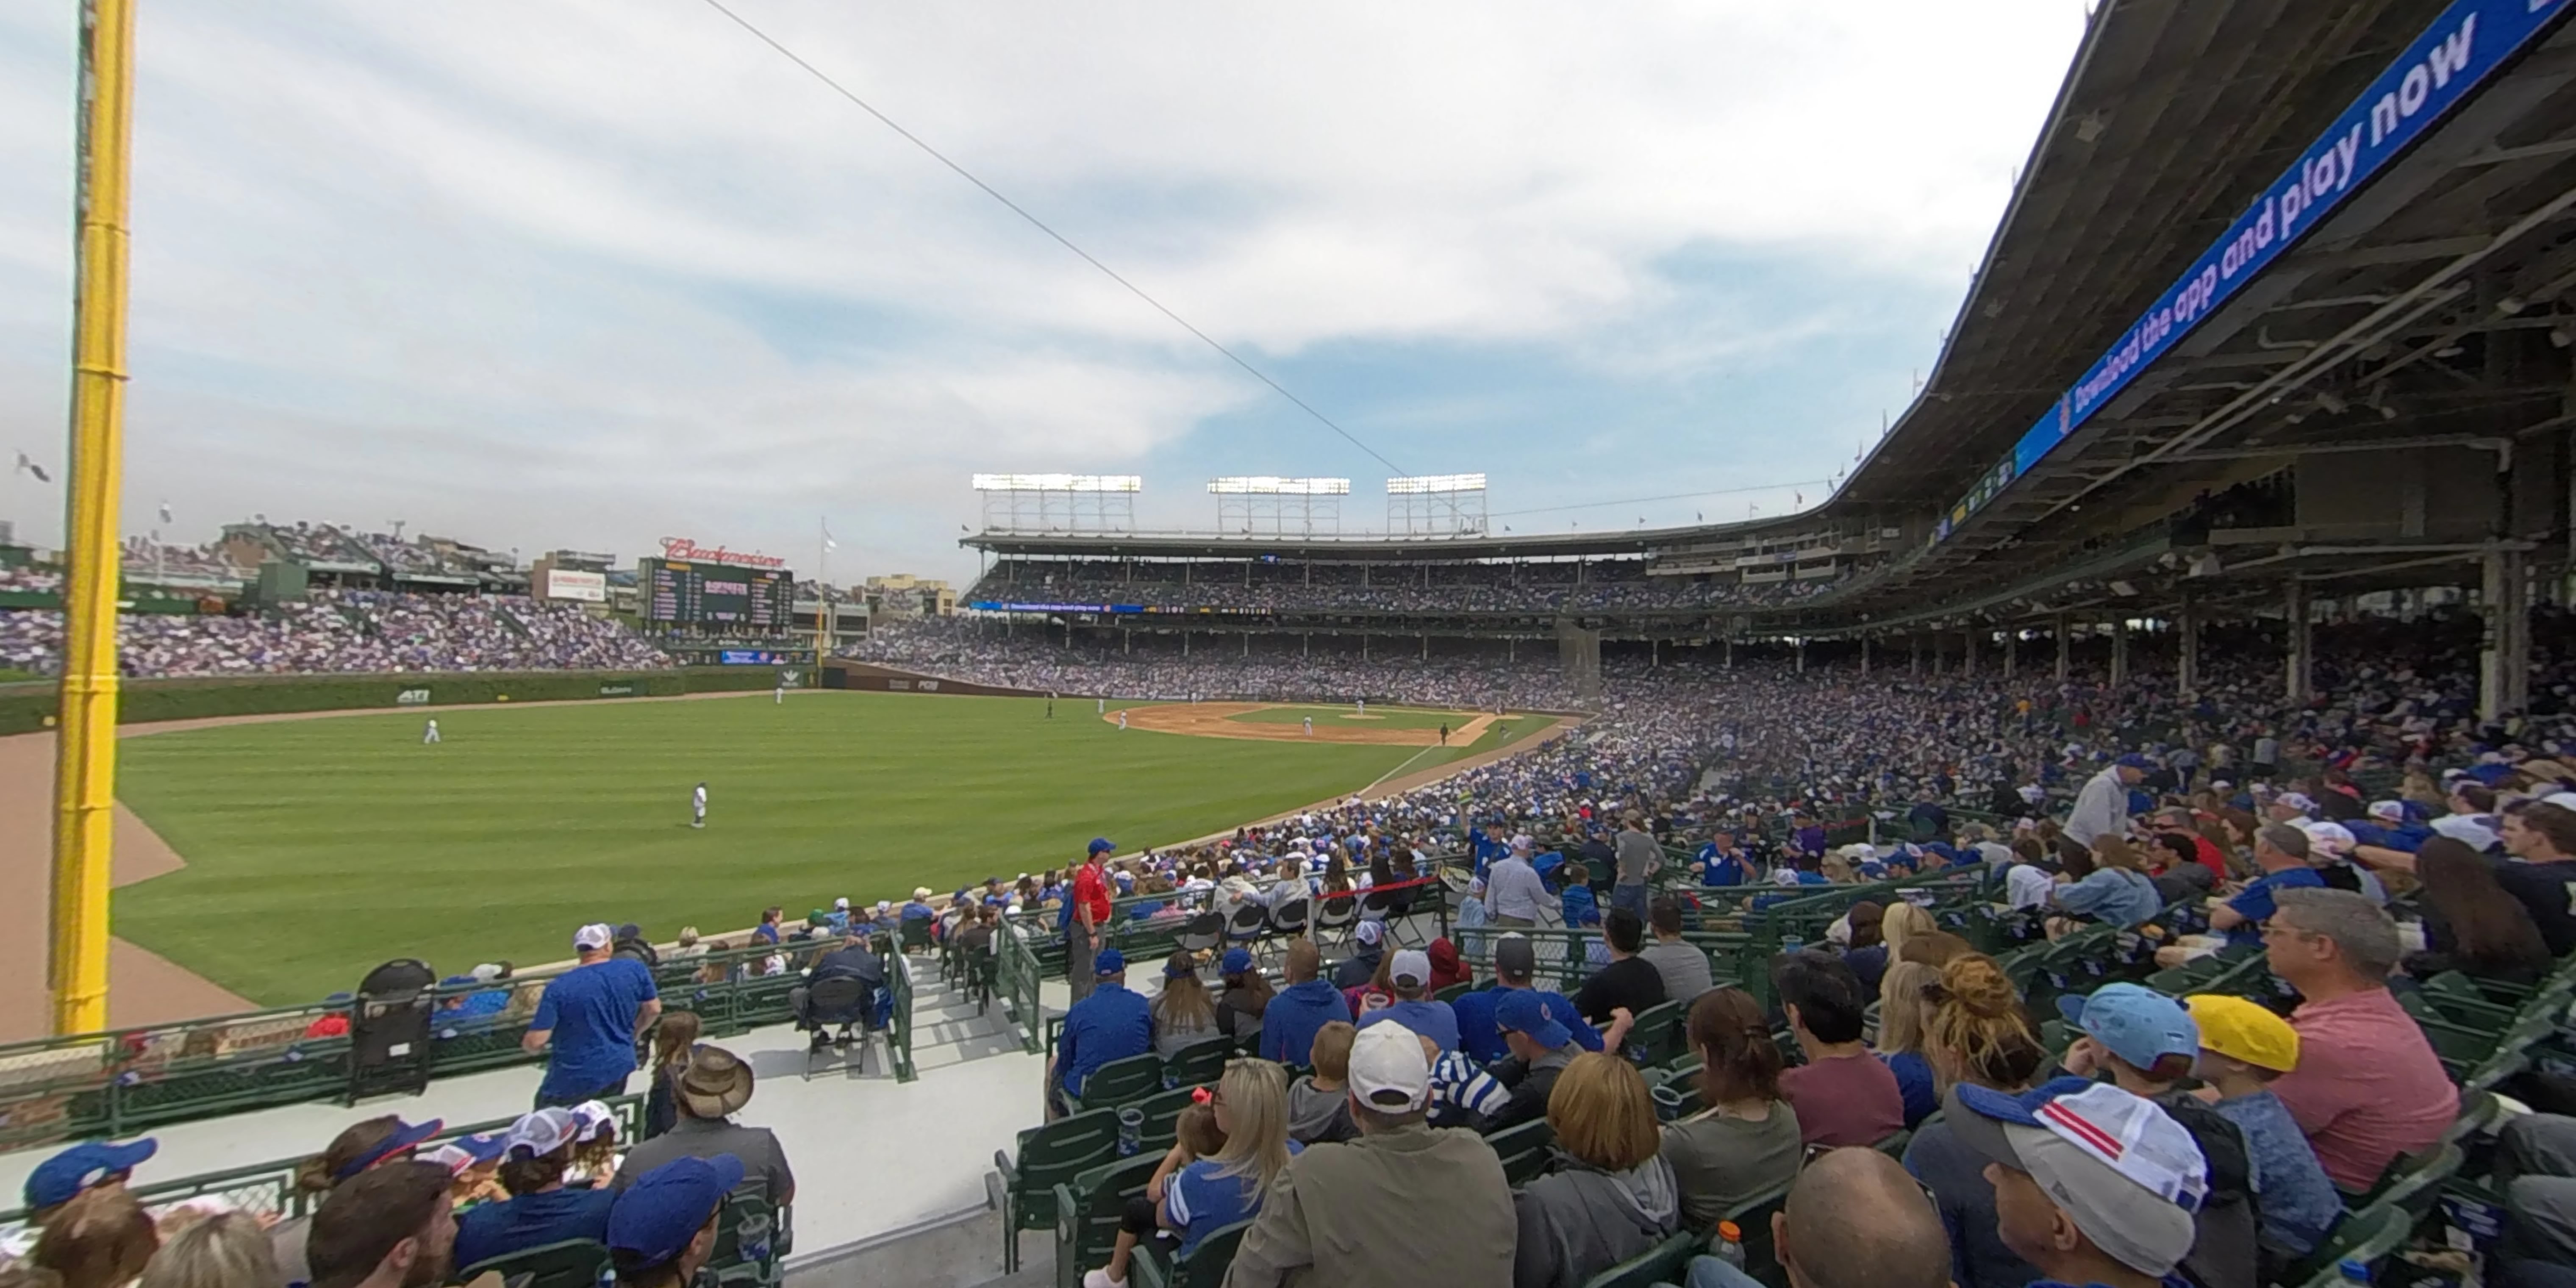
(679, 592)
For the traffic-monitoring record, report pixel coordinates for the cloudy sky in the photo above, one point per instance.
(592, 272)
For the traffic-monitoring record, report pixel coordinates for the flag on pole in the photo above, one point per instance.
(165, 512)
(828, 543)
(30, 467)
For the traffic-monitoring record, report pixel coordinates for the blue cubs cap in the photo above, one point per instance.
(2133, 1022)
(1109, 962)
(1102, 845)
(1237, 961)
(2134, 761)
(60, 1179)
(405, 1136)
(1520, 1011)
(1179, 966)
(666, 1207)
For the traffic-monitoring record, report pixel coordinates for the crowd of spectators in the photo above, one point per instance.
(1418, 588)
(348, 631)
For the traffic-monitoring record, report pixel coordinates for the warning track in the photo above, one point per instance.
(1216, 720)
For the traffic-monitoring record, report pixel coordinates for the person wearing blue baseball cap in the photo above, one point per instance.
(90, 1165)
(536, 1154)
(590, 1017)
(1109, 1024)
(2145, 1043)
(663, 1227)
(1246, 999)
(1515, 1089)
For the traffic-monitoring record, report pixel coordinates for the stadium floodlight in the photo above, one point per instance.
(1059, 483)
(1273, 485)
(1428, 484)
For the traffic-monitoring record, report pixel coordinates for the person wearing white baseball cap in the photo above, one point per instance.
(2093, 1185)
(1415, 1008)
(536, 1155)
(1352, 1214)
(590, 1017)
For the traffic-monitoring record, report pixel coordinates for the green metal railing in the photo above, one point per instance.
(1017, 975)
(127, 1080)
(899, 1021)
(269, 1189)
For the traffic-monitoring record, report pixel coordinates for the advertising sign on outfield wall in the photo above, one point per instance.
(587, 587)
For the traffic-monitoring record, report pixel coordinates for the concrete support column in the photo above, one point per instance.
(1247, 643)
(1426, 643)
(1864, 656)
(2187, 652)
(1127, 641)
(2120, 650)
(1655, 654)
(2294, 610)
(2012, 641)
(1914, 655)
(1802, 655)
(1968, 655)
(2504, 670)
(1185, 643)
(1364, 645)
(1730, 652)
(2065, 647)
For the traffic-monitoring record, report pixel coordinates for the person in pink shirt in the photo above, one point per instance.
(2368, 1087)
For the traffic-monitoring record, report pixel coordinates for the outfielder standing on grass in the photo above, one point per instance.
(430, 734)
(698, 806)
(1085, 913)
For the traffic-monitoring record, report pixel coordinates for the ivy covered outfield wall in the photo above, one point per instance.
(28, 708)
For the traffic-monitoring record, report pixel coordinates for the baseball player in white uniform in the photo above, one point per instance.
(1310, 726)
(429, 732)
(1363, 706)
(698, 806)
(1122, 718)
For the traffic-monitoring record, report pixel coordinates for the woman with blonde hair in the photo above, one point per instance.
(1904, 1004)
(1609, 1161)
(1976, 1032)
(1900, 922)
(1190, 1194)
(222, 1250)
(102, 1238)
(1183, 1014)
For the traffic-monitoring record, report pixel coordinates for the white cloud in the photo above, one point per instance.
(608, 262)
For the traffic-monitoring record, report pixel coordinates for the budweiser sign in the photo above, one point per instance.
(687, 551)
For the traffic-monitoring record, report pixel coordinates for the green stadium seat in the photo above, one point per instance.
(1656, 1033)
(1089, 1209)
(1046, 1157)
(1205, 1267)
(1120, 1082)
(1199, 1062)
(1664, 1261)
(2367, 1236)
(1753, 1221)
(1523, 1149)
(1162, 1117)
(573, 1263)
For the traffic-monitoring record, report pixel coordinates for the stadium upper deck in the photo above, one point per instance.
(2277, 311)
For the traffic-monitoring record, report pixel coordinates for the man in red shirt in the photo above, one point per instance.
(1088, 911)
(2368, 1087)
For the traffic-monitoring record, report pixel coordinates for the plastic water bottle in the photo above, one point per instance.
(1131, 1130)
(1730, 1244)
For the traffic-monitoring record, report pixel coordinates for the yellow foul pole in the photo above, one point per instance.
(85, 765)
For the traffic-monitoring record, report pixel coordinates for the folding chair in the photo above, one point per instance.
(843, 1000)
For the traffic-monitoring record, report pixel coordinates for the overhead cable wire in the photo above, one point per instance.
(1670, 496)
(1042, 226)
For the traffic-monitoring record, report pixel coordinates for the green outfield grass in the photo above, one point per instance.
(1349, 717)
(319, 848)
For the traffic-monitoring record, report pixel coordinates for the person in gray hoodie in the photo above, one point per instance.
(1319, 1104)
(1610, 1195)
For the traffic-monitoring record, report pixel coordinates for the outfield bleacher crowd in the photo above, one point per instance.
(341, 631)
(1459, 588)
